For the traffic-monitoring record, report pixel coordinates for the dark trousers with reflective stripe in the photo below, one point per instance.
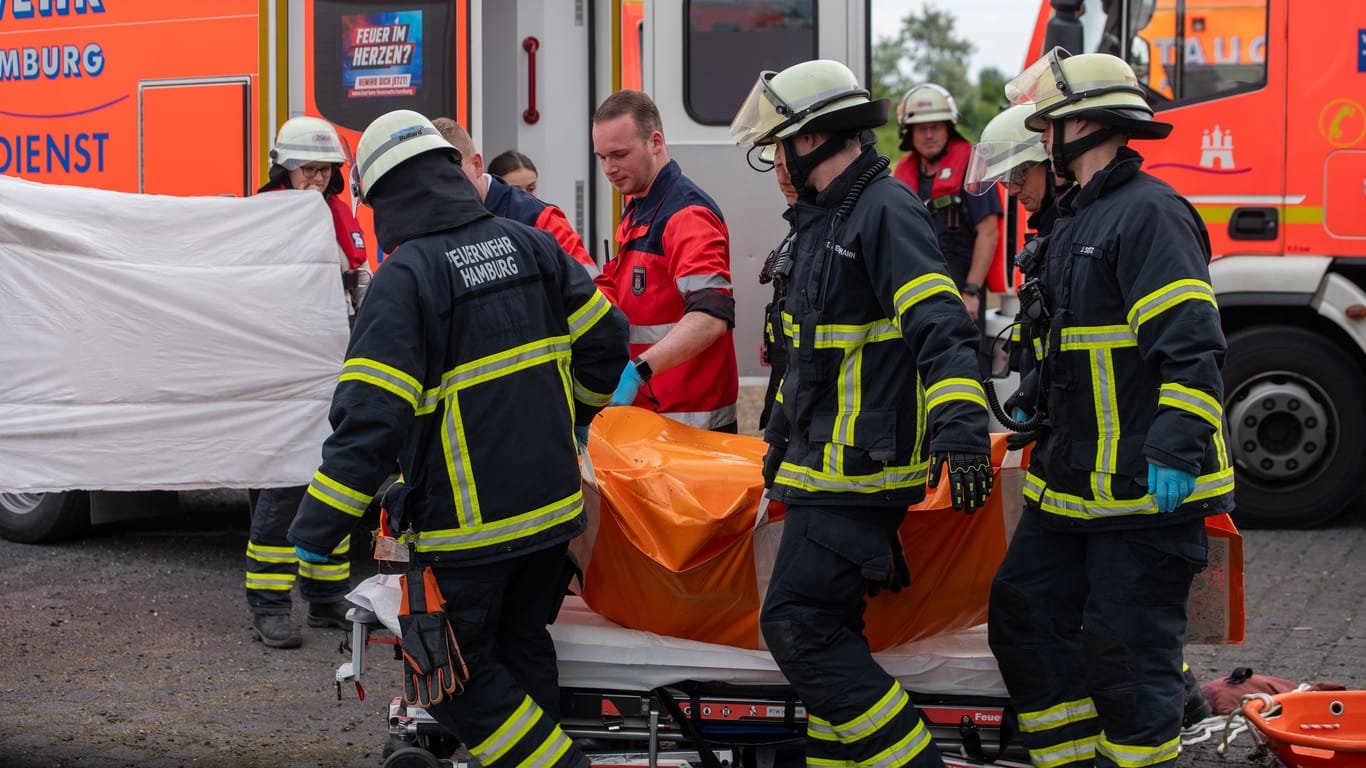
(272, 566)
(1097, 617)
(499, 613)
(812, 620)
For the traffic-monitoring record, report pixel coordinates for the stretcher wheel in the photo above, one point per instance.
(411, 757)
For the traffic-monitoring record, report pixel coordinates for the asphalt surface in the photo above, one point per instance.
(131, 647)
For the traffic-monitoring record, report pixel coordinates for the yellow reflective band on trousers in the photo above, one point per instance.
(264, 554)
(1201, 405)
(1131, 756)
(879, 716)
(1070, 505)
(513, 731)
(1079, 751)
(1057, 715)
(500, 531)
(921, 288)
(950, 390)
(271, 582)
(386, 377)
(338, 496)
(454, 442)
(825, 763)
(1168, 296)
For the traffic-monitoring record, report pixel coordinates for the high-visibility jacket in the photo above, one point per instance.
(1132, 373)
(673, 257)
(480, 346)
(882, 361)
(517, 204)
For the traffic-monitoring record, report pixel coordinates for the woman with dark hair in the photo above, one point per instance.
(516, 169)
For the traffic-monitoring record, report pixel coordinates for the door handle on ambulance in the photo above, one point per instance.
(1254, 223)
(530, 115)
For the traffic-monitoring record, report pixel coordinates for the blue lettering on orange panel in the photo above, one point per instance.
(25, 9)
(1361, 50)
(51, 62)
(31, 154)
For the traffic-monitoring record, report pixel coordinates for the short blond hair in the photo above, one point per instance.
(456, 135)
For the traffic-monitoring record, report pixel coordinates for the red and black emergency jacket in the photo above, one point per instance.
(1132, 373)
(882, 361)
(517, 204)
(673, 257)
(480, 346)
(954, 228)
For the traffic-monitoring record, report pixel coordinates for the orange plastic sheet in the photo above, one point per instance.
(680, 541)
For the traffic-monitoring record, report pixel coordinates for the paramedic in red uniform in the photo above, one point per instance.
(503, 199)
(1088, 609)
(307, 155)
(881, 371)
(483, 350)
(671, 275)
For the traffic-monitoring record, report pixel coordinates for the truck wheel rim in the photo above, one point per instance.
(1279, 428)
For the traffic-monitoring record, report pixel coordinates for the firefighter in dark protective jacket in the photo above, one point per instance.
(1088, 610)
(881, 367)
(481, 346)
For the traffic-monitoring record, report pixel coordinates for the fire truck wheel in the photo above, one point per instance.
(30, 518)
(411, 757)
(1296, 426)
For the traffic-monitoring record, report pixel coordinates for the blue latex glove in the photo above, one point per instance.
(1170, 486)
(1019, 414)
(581, 437)
(628, 386)
(309, 557)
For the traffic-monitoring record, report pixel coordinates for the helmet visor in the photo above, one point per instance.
(1042, 80)
(1004, 161)
(760, 115)
(354, 178)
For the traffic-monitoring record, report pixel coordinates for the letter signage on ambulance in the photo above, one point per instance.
(382, 54)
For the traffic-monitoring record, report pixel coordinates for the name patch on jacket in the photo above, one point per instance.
(1082, 249)
(481, 262)
(842, 251)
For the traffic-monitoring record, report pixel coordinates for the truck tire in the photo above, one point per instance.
(1293, 400)
(31, 518)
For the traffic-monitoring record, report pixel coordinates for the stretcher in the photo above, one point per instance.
(661, 660)
(1310, 729)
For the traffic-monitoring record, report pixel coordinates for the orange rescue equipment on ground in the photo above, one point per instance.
(680, 542)
(1311, 729)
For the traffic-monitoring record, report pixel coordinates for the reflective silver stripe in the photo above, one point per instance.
(1087, 337)
(955, 389)
(1193, 401)
(457, 465)
(1082, 751)
(264, 554)
(690, 283)
(588, 315)
(399, 138)
(819, 729)
(385, 377)
(1130, 756)
(513, 730)
(846, 336)
(875, 717)
(902, 752)
(921, 288)
(1057, 715)
(1068, 505)
(705, 419)
(589, 397)
(272, 582)
(502, 363)
(592, 269)
(338, 496)
(1106, 401)
(508, 529)
(325, 571)
(1168, 296)
(649, 334)
(808, 479)
(549, 752)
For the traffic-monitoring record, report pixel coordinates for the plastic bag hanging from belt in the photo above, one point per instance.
(433, 669)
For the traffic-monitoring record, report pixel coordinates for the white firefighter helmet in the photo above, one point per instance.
(814, 96)
(1007, 149)
(927, 103)
(1096, 86)
(304, 140)
(390, 139)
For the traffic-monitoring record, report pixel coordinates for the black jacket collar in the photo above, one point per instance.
(424, 194)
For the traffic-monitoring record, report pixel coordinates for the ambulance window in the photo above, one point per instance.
(373, 56)
(729, 42)
(1185, 51)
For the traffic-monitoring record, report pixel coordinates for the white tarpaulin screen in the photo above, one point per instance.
(151, 342)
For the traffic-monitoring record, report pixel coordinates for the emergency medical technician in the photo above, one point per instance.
(480, 348)
(503, 199)
(881, 367)
(934, 166)
(1088, 610)
(671, 274)
(307, 155)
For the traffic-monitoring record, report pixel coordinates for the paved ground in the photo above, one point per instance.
(131, 648)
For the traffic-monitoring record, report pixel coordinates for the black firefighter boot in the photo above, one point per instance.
(329, 614)
(276, 630)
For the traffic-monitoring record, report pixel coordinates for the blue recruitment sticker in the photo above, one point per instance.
(1361, 50)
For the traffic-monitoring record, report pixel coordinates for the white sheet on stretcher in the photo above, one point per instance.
(596, 653)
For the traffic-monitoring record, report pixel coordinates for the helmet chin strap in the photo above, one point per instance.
(799, 168)
(1066, 152)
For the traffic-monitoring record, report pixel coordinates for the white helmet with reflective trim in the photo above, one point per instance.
(304, 140)
(811, 97)
(1095, 86)
(389, 140)
(927, 103)
(1007, 149)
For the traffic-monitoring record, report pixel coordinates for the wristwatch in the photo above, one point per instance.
(642, 368)
(972, 289)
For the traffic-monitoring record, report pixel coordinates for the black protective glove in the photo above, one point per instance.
(772, 460)
(970, 478)
(433, 669)
(1016, 441)
(901, 572)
